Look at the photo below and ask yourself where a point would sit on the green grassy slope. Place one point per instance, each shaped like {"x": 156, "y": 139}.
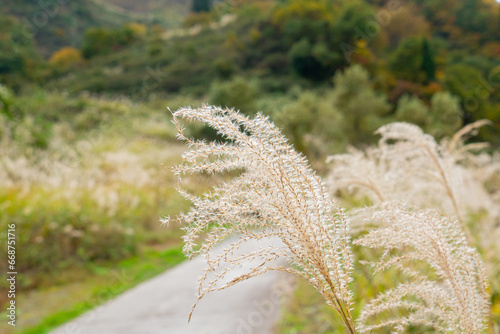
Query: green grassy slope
{"x": 55, "y": 24}
{"x": 168, "y": 13}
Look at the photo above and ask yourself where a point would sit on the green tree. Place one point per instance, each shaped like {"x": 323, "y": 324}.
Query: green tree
{"x": 199, "y": 6}
{"x": 98, "y": 41}
{"x": 406, "y": 61}
{"x": 471, "y": 16}
{"x": 297, "y": 119}
{"x": 238, "y": 93}
{"x": 412, "y": 110}
{"x": 355, "y": 23}
{"x": 406, "y": 21}
{"x": 464, "y": 81}
{"x": 428, "y": 64}
{"x": 443, "y": 119}
{"x": 95, "y": 41}
{"x": 18, "y": 54}
{"x": 361, "y": 106}
{"x": 307, "y": 121}
{"x": 311, "y": 61}
{"x": 447, "y": 115}
{"x": 6, "y": 99}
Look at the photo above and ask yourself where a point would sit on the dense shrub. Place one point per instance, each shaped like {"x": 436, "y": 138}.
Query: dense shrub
{"x": 65, "y": 57}
{"x": 238, "y": 93}
{"x": 101, "y": 41}
{"x": 362, "y": 108}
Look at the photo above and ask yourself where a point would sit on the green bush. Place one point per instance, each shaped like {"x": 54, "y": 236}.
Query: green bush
{"x": 463, "y": 80}
{"x": 201, "y": 6}
{"x": 412, "y": 110}
{"x": 406, "y": 61}
{"x": 101, "y": 41}
{"x": 6, "y": 99}
{"x": 305, "y": 63}
{"x": 307, "y": 122}
{"x": 447, "y": 115}
{"x": 239, "y": 93}
{"x": 442, "y": 118}
{"x": 362, "y": 108}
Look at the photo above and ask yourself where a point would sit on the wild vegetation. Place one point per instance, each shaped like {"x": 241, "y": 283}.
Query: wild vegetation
{"x": 82, "y": 183}
{"x": 404, "y": 62}
{"x": 84, "y": 89}
{"x": 443, "y": 285}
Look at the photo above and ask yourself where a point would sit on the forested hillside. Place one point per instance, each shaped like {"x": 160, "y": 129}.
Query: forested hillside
{"x": 55, "y": 24}
{"x": 411, "y": 56}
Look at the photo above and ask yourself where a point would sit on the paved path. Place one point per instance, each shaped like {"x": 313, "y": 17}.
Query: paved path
{"x": 162, "y": 305}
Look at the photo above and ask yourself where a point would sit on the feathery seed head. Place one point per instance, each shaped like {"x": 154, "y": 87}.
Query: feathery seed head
{"x": 277, "y": 195}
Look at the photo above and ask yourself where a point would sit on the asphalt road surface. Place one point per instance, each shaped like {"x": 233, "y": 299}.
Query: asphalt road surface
{"x": 162, "y": 304}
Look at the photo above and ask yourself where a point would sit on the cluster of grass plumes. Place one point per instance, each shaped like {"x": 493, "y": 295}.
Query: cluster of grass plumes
{"x": 69, "y": 212}
{"x": 455, "y": 301}
{"x": 410, "y": 165}
{"x": 276, "y": 194}
{"x": 92, "y": 194}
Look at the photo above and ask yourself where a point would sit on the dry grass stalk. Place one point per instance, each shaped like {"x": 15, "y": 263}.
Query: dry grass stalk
{"x": 410, "y": 165}
{"x": 276, "y": 195}
{"x": 455, "y": 302}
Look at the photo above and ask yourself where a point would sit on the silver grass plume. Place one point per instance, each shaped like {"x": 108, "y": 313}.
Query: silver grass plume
{"x": 276, "y": 195}
{"x": 423, "y": 160}
{"x": 453, "y": 300}
{"x": 410, "y": 165}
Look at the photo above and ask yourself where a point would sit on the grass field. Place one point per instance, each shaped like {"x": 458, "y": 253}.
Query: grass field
{"x": 86, "y": 189}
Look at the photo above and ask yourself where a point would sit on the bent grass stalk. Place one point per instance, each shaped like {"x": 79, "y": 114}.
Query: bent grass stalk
{"x": 276, "y": 194}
